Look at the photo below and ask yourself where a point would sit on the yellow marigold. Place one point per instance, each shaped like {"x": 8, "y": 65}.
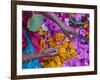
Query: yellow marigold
{"x": 51, "y": 41}
{"x": 68, "y": 57}
{"x": 42, "y": 41}
{"x": 74, "y": 55}
{"x": 71, "y": 46}
{"x": 57, "y": 46}
{"x": 59, "y": 36}
{"x": 72, "y": 51}
{"x": 52, "y": 44}
{"x": 62, "y": 50}
{"x": 65, "y": 43}
{"x": 63, "y": 55}
{"x": 43, "y": 46}
{"x": 52, "y": 64}
{"x": 41, "y": 31}
{"x": 50, "y": 38}
{"x": 57, "y": 60}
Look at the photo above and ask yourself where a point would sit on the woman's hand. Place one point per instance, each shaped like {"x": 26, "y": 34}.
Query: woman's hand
{"x": 29, "y": 57}
{"x": 50, "y": 52}
{"x": 69, "y": 31}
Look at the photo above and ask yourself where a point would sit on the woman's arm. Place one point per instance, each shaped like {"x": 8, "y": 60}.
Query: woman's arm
{"x": 29, "y": 57}
{"x": 61, "y": 24}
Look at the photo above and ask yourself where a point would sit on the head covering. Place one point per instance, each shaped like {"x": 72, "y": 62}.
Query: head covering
{"x": 35, "y": 22}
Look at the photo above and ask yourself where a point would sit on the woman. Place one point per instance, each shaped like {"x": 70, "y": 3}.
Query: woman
{"x": 29, "y": 58}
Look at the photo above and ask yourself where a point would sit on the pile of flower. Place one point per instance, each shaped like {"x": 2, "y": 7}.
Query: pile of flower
{"x": 62, "y": 43}
{"x": 80, "y": 45}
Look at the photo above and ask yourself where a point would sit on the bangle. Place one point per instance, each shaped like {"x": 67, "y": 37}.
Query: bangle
{"x": 25, "y": 58}
{"x": 30, "y": 57}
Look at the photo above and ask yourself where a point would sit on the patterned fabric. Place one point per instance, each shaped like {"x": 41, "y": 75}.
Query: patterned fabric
{"x": 30, "y": 50}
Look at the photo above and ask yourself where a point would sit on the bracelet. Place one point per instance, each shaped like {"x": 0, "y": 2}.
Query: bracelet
{"x": 25, "y": 58}
{"x": 29, "y": 57}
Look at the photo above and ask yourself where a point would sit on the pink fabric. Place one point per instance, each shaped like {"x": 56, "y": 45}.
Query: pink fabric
{"x": 35, "y": 41}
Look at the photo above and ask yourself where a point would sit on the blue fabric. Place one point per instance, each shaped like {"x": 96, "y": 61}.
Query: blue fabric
{"x": 30, "y": 50}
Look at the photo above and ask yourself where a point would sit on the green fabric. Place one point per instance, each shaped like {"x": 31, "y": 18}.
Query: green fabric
{"x": 36, "y": 22}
